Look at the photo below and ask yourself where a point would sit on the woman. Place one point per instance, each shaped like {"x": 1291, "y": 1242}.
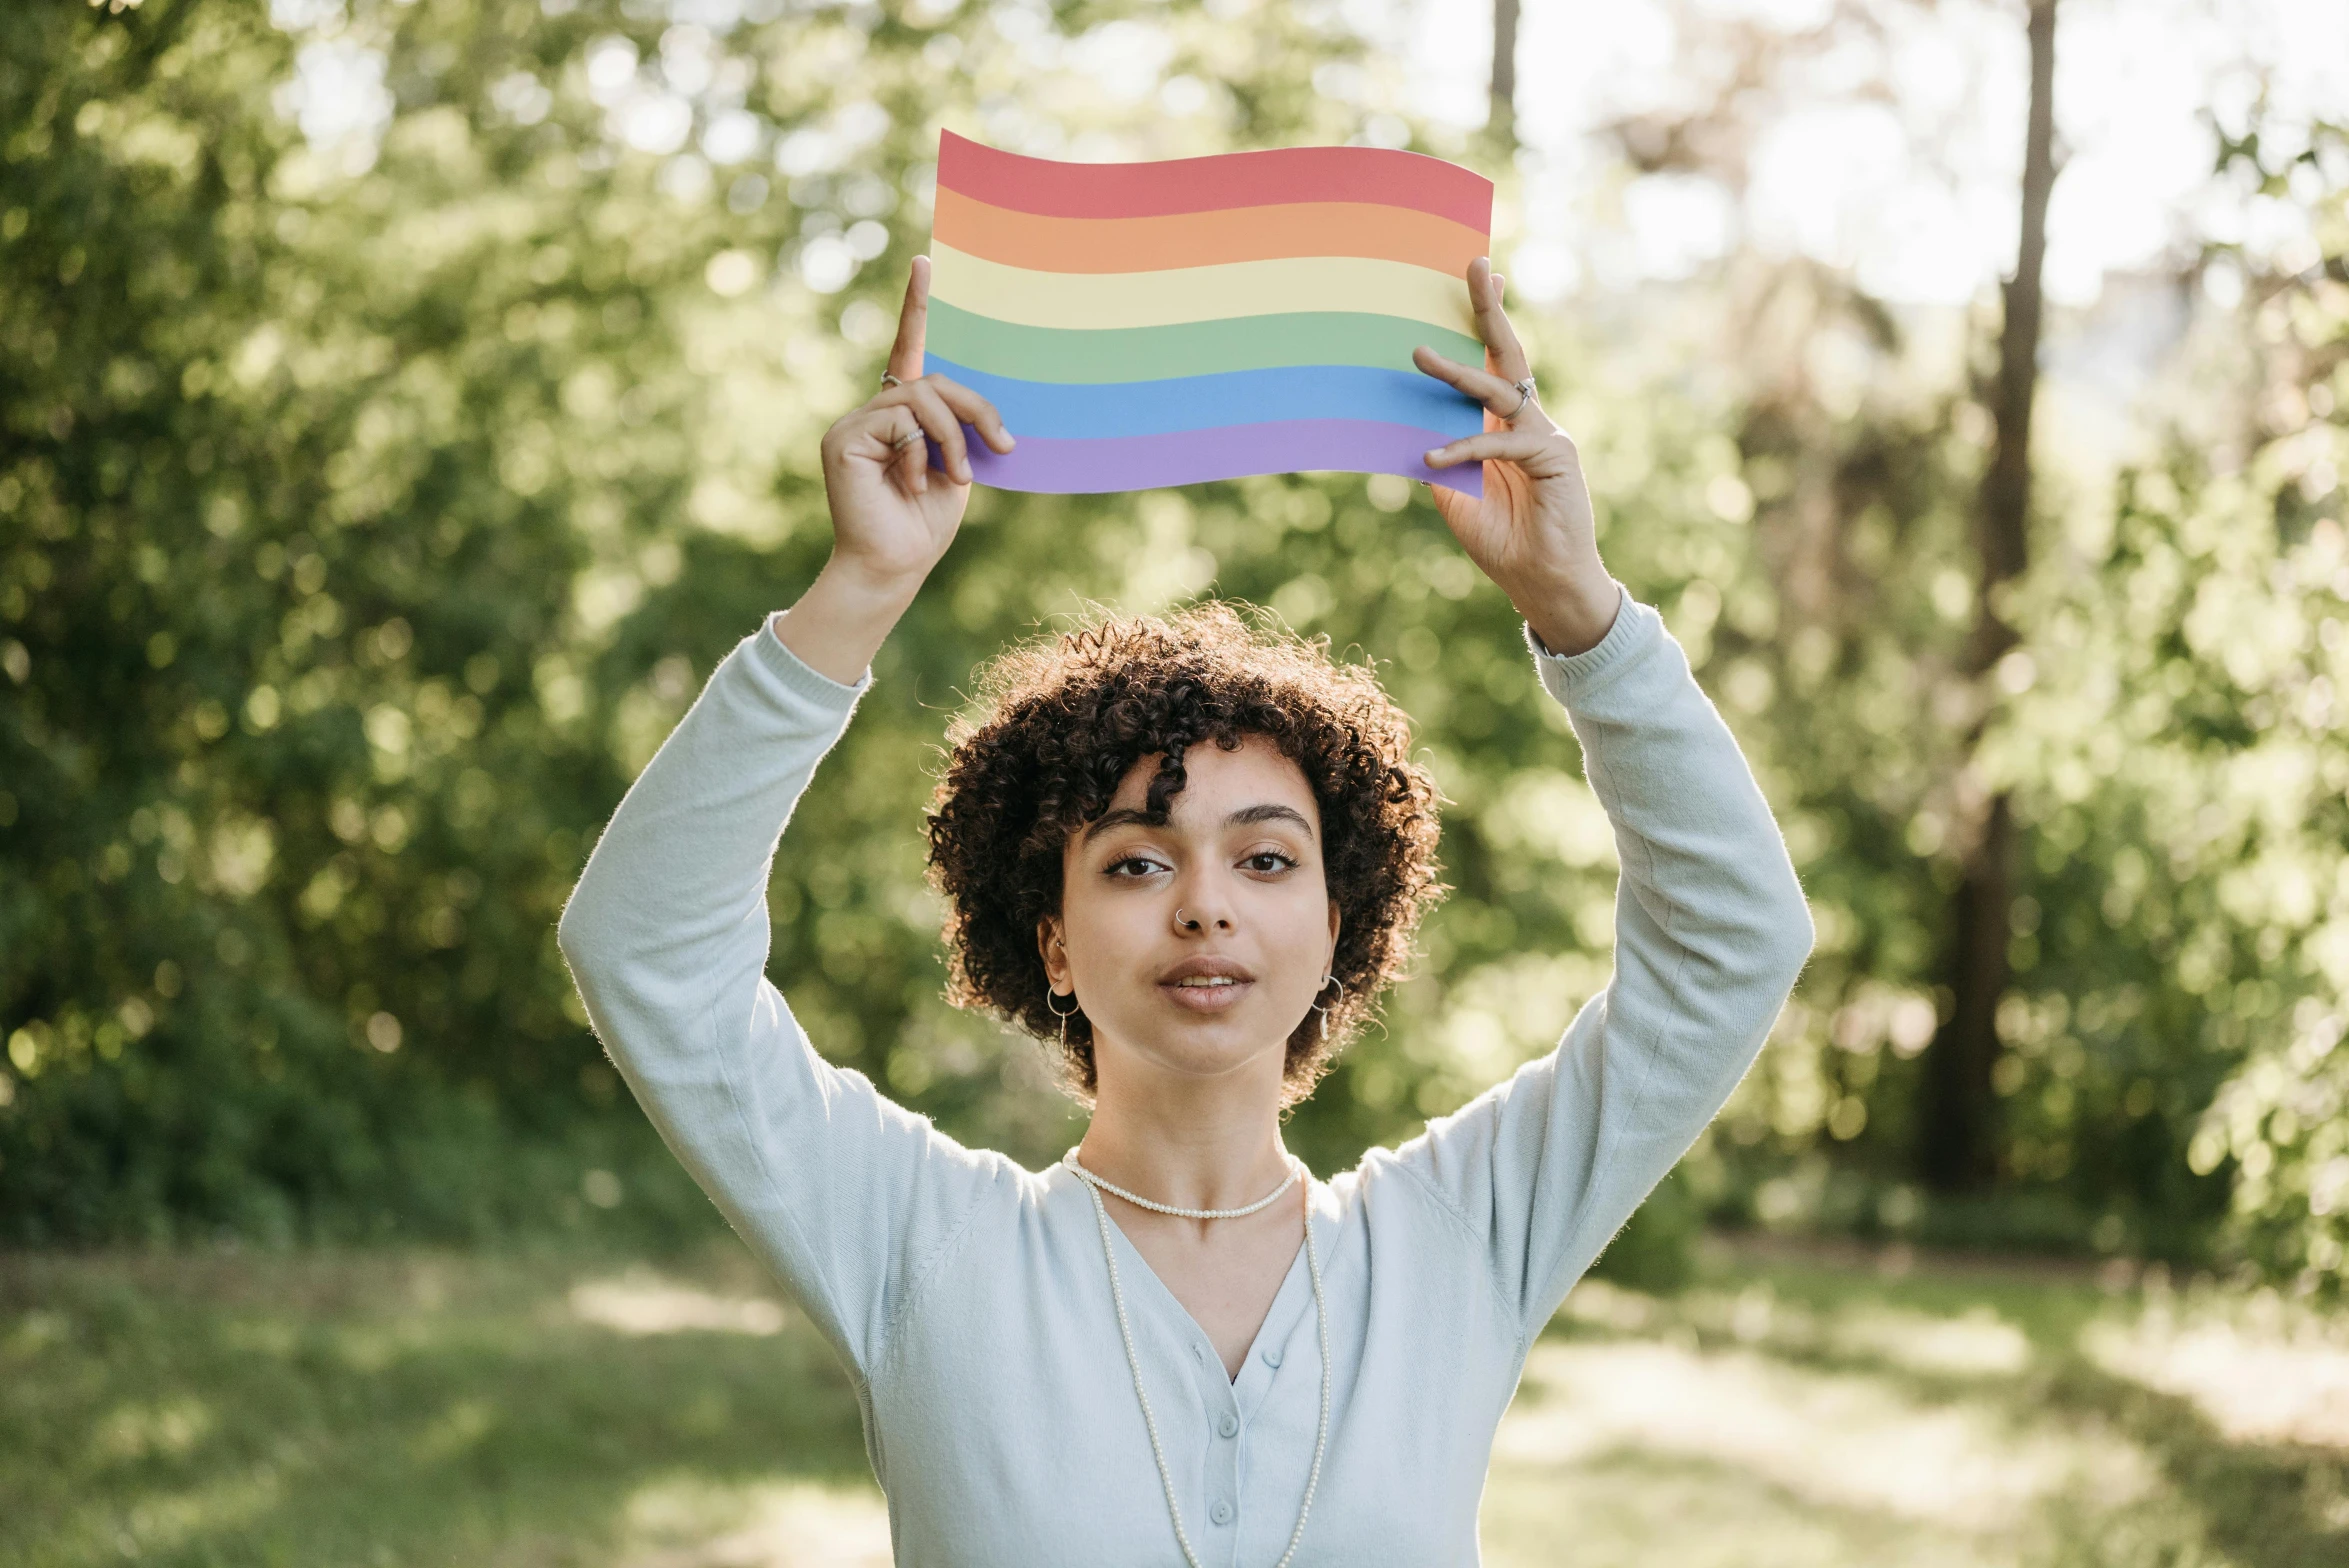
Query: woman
{"x": 1175, "y": 1346}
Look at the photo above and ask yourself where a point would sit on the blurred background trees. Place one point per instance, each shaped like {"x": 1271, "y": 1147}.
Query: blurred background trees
{"x": 403, "y": 406}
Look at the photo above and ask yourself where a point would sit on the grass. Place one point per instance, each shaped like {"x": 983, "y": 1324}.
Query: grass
{"x": 1823, "y": 1407}
{"x": 400, "y": 1409}
{"x": 1815, "y": 1408}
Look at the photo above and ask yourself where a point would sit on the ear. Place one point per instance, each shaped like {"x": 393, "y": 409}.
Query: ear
{"x": 1055, "y": 956}
{"x": 1336, "y": 919}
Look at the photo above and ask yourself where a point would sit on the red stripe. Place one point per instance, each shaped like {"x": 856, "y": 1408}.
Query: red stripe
{"x": 1233, "y": 179}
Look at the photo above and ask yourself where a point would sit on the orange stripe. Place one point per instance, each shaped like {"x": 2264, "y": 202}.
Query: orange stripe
{"x": 1204, "y": 239}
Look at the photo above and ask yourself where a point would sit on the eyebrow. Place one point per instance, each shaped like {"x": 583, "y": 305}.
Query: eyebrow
{"x": 1267, "y": 812}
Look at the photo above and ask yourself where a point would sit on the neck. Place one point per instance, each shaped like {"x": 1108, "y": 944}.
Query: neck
{"x": 1187, "y": 1143}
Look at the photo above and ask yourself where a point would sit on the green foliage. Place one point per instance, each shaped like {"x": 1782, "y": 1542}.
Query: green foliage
{"x": 1656, "y": 1251}
{"x": 2189, "y": 779}
{"x": 2183, "y": 739}
{"x": 294, "y": 807}
{"x": 373, "y": 499}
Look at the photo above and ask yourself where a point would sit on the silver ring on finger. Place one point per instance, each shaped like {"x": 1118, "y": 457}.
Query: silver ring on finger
{"x": 1524, "y": 397}
{"x": 888, "y": 381}
{"x": 906, "y": 440}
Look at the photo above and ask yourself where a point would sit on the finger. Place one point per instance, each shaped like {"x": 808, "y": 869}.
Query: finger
{"x": 905, "y": 461}
{"x": 880, "y": 435}
{"x": 914, "y": 458}
{"x": 1492, "y": 446}
{"x": 913, "y": 323}
{"x": 972, "y": 409}
{"x": 939, "y": 423}
{"x": 1482, "y": 385}
{"x": 1491, "y": 360}
{"x": 1496, "y": 393}
{"x": 1492, "y": 355}
{"x": 1492, "y": 323}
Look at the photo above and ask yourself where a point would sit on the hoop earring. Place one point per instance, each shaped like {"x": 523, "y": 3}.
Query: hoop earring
{"x": 1049, "y": 994}
{"x": 1327, "y": 981}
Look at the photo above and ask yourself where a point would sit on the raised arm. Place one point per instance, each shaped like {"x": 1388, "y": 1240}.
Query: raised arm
{"x": 1711, "y": 930}
{"x": 844, "y": 1194}
{"x": 1711, "y": 927}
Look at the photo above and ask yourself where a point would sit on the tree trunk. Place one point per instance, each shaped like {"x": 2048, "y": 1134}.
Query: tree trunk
{"x": 1502, "y": 126}
{"x": 1958, "y": 1147}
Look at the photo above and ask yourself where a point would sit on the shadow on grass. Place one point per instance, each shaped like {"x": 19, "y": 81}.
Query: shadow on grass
{"x": 2225, "y": 1499}
{"x": 2263, "y": 1505}
{"x": 1628, "y": 1507}
{"x": 383, "y": 1408}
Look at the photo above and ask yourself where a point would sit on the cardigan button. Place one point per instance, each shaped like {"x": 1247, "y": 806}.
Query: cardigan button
{"x": 1272, "y": 1355}
{"x": 1229, "y": 1426}
{"x": 1221, "y": 1513}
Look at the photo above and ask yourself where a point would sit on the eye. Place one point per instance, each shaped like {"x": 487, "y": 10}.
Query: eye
{"x": 1115, "y": 868}
{"x": 1285, "y": 862}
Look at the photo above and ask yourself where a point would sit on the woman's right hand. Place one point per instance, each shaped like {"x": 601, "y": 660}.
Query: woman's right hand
{"x": 892, "y": 516}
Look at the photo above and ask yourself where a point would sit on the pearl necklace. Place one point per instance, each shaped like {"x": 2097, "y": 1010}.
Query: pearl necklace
{"x": 1070, "y": 1160}
{"x": 1095, "y": 1186}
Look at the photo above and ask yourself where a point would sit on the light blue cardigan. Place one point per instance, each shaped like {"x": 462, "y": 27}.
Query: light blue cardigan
{"x": 969, "y": 1297}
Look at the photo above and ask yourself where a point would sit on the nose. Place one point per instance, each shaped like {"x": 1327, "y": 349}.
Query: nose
{"x": 1200, "y": 899}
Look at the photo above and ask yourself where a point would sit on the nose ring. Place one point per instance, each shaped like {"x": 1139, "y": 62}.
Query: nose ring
{"x": 1184, "y": 920}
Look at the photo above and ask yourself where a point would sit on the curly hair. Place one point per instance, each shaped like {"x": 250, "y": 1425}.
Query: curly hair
{"x": 1056, "y": 724}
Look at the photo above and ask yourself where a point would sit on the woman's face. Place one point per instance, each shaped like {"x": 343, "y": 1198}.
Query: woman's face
{"x": 1240, "y": 856}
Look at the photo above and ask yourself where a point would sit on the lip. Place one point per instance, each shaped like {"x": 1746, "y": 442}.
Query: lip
{"x": 1206, "y": 965}
{"x": 1207, "y": 998}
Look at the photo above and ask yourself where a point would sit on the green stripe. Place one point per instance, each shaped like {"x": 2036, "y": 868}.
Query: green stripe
{"x": 1194, "y": 348}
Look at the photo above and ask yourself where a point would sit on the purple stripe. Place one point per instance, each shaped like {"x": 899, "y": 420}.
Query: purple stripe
{"x": 1049, "y": 465}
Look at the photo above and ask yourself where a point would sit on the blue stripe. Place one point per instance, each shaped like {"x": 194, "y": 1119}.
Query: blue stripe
{"x": 1239, "y": 397}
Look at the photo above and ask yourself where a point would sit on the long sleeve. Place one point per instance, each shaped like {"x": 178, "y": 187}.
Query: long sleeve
{"x": 1711, "y": 931}
{"x": 844, "y": 1194}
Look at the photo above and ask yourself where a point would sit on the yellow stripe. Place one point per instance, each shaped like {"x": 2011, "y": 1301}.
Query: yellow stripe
{"x": 1091, "y": 300}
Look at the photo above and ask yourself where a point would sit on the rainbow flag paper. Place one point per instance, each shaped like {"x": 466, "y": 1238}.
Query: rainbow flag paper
{"x": 1147, "y": 324}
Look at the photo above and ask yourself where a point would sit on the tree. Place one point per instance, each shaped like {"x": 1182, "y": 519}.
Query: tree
{"x": 1957, "y": 1138}
{"x": 1501, "y": 129}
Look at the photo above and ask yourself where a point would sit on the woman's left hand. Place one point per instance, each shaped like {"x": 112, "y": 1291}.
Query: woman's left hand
{"x": 1531, "y": 532}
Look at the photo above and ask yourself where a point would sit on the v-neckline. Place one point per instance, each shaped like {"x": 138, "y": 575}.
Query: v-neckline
{"x": 1168, "y": 1300}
